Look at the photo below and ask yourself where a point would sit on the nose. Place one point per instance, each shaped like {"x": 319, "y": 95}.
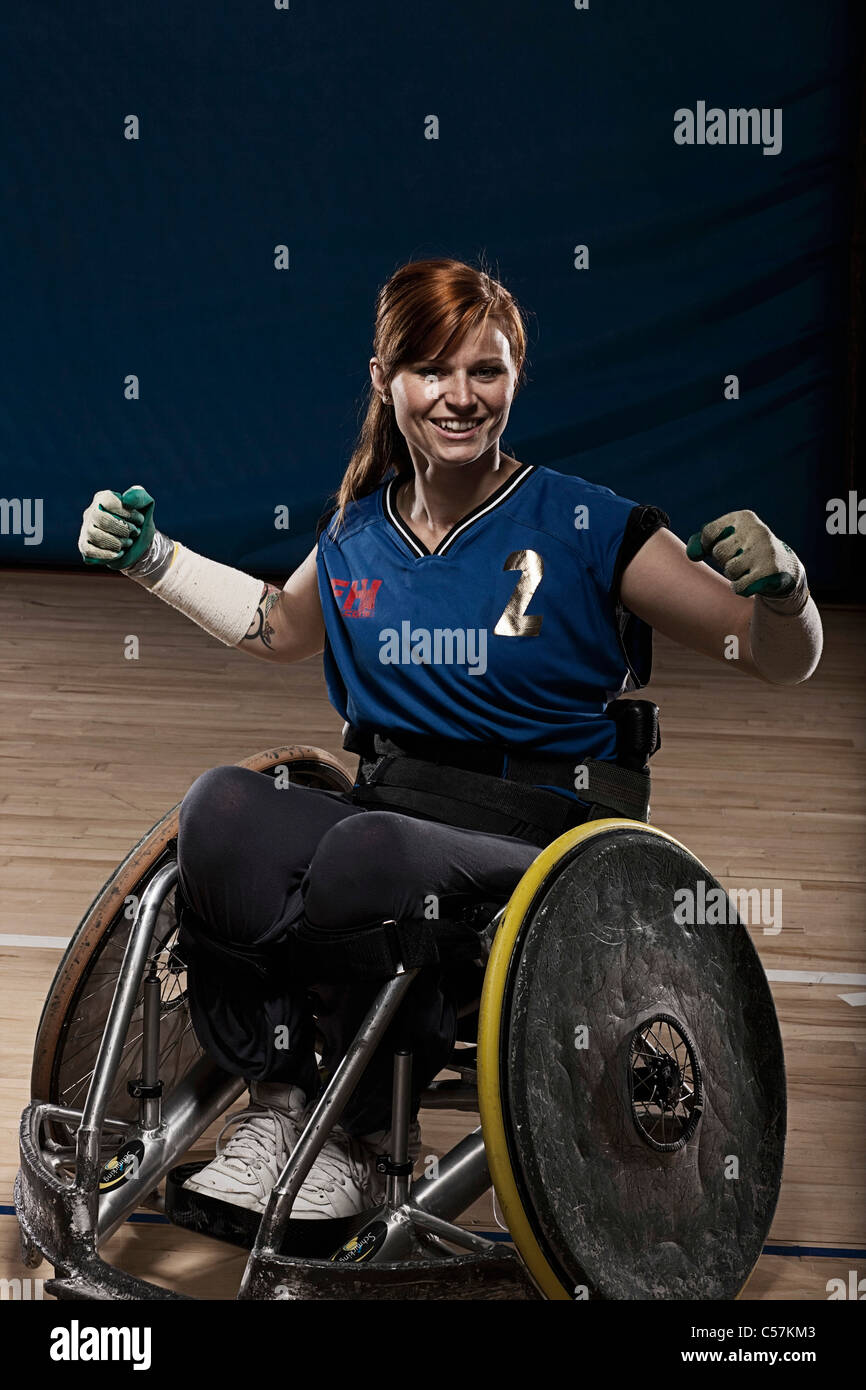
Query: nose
{"x": 458, "y": 391}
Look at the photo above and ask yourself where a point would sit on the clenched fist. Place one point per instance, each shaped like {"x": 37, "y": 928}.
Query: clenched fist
{"x": 749, "y": 555}
{"x": 117, "y": 528}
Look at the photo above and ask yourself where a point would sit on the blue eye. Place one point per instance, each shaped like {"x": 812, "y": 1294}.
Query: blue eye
{"x": 437, "y": 371}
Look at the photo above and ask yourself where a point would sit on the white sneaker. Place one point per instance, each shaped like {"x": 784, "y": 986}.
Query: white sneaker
{"x": 381, "y": 1141}
{"x": 246, "y": 1169}
{"x": 344, "y": 1180}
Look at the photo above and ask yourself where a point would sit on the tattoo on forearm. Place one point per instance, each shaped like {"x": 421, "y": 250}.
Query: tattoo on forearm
{"x": 260, "y": 629}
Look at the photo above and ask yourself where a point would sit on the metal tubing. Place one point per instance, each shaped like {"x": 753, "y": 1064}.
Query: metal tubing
{"x": 111, "y": 1046}
{"x": 200, "y": 1098}
{"x": 423, "y": 1221}
{"x": 47, "y": 1110}
{"x": 326, "y": 1114}
{"x": 397, "y": 1187}
{"x": 150, "y": 1107}
{"x": 463, "y": 1177}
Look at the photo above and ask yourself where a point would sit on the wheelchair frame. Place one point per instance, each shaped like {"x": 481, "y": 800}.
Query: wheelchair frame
{"x": 410, "y": 1246}
{"x": 67, "y": 1222}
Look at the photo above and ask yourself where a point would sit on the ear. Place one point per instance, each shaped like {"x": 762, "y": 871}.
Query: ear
{"x": 377, "y": 375}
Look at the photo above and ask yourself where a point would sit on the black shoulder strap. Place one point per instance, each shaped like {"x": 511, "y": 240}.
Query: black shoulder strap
{"x": 643, "y": 521}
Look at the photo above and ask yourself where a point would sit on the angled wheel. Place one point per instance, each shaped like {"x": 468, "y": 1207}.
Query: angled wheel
{"x": 75, "y": 1011}
{"x": 631, "y": 1074}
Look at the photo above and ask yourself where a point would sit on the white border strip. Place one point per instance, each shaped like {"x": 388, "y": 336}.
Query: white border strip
{"x": 54, "y": 943}
{"x": 813, "y": 977}
{"x": 791, "y": 977}
{"x": 494, "y": 502}
{"x": 396, "y": 518}
{"x": 785, "y": 977}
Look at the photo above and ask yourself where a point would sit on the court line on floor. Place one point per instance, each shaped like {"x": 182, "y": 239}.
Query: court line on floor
{"x": 821, "y": 977}
{"x": 797, "y": 977}
{"x": 57, "y": 943}
{"x": 782, "y": 977}
{"x": 146, "y": 1218}
{"x": 810, "y": 977}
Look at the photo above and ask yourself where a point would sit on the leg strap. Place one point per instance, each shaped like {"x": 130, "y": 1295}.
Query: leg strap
{"x": 619, "y": 790}
{"x": 379, "y": 951}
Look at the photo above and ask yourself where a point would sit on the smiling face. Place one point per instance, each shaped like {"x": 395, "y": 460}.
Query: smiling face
{"x": 453, "y": 410}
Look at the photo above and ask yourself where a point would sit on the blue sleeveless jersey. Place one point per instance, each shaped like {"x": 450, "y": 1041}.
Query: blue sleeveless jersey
{"x": 508, "y": 633}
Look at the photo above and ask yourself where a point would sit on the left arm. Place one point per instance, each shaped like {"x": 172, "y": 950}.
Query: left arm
{"x": 779, "y": 637}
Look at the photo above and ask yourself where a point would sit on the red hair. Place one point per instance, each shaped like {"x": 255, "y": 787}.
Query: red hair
{"x": 423, "y": 303}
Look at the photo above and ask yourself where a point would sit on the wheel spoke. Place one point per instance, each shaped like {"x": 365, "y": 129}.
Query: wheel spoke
{"x": 665, "y": 1082}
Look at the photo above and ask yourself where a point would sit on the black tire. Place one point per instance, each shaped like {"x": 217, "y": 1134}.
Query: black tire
{"x": 641, "y": 1157}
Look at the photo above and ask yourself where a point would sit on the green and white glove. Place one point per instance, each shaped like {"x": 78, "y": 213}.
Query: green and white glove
{"x": 117, "y": 528}
{"x": 749, "y": 555}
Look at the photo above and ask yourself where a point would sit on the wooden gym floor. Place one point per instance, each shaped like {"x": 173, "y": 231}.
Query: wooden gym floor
{"x": 766, "y": 785}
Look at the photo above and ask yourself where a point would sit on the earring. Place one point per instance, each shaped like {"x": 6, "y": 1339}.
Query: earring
{"x": 386, "y": 400}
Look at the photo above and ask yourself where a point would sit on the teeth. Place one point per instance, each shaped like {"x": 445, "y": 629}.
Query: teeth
{"x": 455, "y": 428}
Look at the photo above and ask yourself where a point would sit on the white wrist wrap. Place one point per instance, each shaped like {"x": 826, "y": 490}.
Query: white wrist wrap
{"x": 220, "y": 599}
{"x": 786, "y": 643}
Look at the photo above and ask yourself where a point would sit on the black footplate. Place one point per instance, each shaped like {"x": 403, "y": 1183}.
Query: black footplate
{"x": 208, "y": 1216}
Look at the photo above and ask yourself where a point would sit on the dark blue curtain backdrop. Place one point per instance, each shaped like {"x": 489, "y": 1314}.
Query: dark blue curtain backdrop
{"x": 306, "y": 127}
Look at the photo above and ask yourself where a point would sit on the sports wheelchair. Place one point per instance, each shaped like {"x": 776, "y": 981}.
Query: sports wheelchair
{"x": 627, "y": 1070}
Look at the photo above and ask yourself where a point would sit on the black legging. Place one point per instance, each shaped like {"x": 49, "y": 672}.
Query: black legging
{"x": 255, "y": 859}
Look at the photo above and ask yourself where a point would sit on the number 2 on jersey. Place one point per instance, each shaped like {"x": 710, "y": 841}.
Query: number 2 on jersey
{"x": 514, "y": 621}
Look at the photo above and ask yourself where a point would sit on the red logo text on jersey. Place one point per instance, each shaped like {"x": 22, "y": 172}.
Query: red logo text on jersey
{"x": 356, "y": 598}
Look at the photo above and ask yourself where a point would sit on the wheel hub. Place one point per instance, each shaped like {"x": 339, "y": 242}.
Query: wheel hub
{"x": 665, "y": 1083}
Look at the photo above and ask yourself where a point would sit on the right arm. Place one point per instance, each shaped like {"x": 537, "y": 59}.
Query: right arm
{"x": 288, "y": 623}
{"x": 265, "y": 621}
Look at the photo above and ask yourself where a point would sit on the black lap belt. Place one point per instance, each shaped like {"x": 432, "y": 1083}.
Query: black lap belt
{"x": 381, "y": 949}
{"x": 469, "y": 799}
{"x": 507, "y": 804}
{"x": 373, "y": 951}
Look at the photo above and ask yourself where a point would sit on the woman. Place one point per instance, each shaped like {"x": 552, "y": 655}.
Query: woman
{"x": 477, "y": 615}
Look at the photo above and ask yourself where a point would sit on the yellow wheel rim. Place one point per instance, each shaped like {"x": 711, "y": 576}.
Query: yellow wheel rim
{"x": 489, "y": 1040}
